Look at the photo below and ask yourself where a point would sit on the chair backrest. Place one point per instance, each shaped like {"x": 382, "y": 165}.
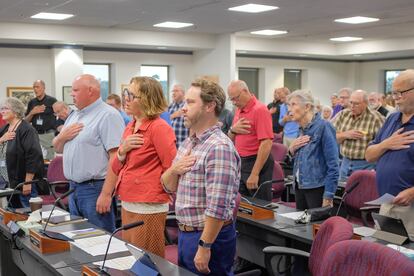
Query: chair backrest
{"x": 356, "y": 257}
{"x": 333, "y": 230}
{"x": 55, "y": 170}
{"x": 366, "y": 190}
{"x": 278, "y": 138}
{"x": 279, "y": 152}
{"x": 278, "y": 188}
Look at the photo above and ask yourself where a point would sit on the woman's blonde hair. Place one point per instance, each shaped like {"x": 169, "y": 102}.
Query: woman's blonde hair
{"x": 152, "y": 100}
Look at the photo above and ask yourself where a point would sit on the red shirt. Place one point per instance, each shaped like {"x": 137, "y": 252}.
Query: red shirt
{"x": 139, "y": 175}
{"x": 260, "y": 127}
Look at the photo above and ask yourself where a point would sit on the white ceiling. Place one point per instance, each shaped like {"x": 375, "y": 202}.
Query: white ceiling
{"x": 306, "y": 20}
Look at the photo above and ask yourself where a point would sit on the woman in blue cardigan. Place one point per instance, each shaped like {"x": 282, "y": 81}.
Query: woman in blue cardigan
{"x": 315, "y": 153}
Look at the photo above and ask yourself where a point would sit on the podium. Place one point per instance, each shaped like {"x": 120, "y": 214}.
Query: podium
{"x": 47, "y": 245}
{"x": 10, "y": 216}
{"x": 251, "y": 211}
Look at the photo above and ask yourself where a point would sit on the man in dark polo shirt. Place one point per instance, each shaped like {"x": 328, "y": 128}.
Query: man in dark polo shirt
{"x": 393, "y": 147}
{"x": 40, "y": 114}
{"x": 252, "y": 134}
{"x": 274, "y": 108}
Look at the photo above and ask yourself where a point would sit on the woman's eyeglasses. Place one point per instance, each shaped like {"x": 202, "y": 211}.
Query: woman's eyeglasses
{"x": 130, "y": 96}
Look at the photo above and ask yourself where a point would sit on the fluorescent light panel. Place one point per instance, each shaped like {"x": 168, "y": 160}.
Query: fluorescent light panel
{"x": 356, "y": 20}
{"x": 52, "y": 16}
{"x": 253, "y": 8}
{"x": 174, "y": 25}
{"x": 269, "y": 32}
{"x": 345, "y": 38}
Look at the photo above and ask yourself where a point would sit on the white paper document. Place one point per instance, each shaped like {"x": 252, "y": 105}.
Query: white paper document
{"x": 97, "y": 245}
{"x": 386, "y": 198}
{"x": 56, "y": 213}
{"x": 364, "y": 231}
{"x": 122, "y": 263}
{"x": 292, "y": 215}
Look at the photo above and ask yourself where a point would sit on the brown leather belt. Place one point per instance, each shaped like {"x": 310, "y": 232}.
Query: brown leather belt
{"x": 187, "y": 228}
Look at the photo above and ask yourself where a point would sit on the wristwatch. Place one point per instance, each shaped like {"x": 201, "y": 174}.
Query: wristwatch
{"x": 232, "y": 132}
{"x": 204, "y": 244}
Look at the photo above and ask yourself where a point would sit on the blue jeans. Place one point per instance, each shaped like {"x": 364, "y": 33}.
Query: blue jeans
{"x": 24, "y": 200}
{"x": 222, "y": 251}
{"x": 348, "y": 166}
{"x": 82, "y": 202}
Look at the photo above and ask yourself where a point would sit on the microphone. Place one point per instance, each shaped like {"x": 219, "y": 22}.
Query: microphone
{"x": 18, "y": 187}
{"x": 347, "y": 191}
{"x": 125, "y": 227}
{"x": 54, "y": 235}
{"x": 267, "y": 183}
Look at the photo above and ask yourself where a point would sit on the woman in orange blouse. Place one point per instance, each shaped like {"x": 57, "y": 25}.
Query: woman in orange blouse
{"x": 147, "y": 150}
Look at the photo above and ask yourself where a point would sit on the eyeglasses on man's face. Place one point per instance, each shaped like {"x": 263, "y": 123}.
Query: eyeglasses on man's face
{"x": 398, "y": 94}
{"x": 130, "y": 96}
{"x": 235, "y": 98}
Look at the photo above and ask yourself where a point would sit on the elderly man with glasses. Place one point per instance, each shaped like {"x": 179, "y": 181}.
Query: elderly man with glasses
{"x": 393, "y": 147}
{"x": 355, "y": 127}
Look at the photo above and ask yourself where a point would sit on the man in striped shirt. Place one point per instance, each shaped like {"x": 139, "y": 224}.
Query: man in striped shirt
{"x": 206, "y": 175}
{"x": 355, "y": 128}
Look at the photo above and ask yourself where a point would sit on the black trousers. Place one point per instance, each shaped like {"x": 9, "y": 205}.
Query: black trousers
{"x": 308, "y": 198}
{"x": 266, "y": 174}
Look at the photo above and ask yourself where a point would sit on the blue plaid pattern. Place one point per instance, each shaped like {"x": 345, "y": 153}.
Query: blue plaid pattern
{"x": 181, "y": 132}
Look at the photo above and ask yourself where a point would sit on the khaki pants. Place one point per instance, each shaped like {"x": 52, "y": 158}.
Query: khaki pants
{"x": 46, "y": 143}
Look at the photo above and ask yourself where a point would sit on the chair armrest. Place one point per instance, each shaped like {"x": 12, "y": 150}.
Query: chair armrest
{"x": 367, "y": 210}
{"x": 272, "y": 251}
{"x": 54, "y": 183}
{"x": 280, "y": 250}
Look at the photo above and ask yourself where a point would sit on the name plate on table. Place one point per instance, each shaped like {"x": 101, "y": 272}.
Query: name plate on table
{"x": 251, "y": 211}
{"x": 10, "y": 216}
{"x": 47, "y": 245}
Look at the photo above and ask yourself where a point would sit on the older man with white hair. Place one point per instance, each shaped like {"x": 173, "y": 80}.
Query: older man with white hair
{"x": 355, "y": 128}
{"x": 375, "y": 103}
{"x": 176, "y": 113}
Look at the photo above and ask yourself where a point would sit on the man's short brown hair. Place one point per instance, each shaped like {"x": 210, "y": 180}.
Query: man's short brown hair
{"x": 211, "y": 92}
{"x": 116, "y": 98}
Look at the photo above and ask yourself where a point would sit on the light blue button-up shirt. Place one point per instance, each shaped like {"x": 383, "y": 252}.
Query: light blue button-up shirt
{"x": 86, "y": 156}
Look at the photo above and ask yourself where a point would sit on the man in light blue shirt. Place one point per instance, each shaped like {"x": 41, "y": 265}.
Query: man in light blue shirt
{"x": 290, "y": 128}
{"x": 89, "y": 141}
{"x": 115, "y": 101}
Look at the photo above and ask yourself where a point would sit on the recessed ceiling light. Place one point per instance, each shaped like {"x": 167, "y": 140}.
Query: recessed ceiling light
{"x": 356, "y": 20}
{"x": 357, "y": 55}
{"x": 242, "y": 52}
{"x": 161, "y": 47}
{"x": 303, "y": 55}
{"x": 174, "y": 25}
{"x": 52, "y": 16}
{"x": 269, "y": 32}
{"x": 253, "y": 8}
{"x": 345, "y": 38}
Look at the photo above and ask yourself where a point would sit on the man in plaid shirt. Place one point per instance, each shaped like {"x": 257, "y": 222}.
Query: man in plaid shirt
{"x": 356, "y": 126}
{"x": 206, "y": 175}
{"x": 176, "y": 114}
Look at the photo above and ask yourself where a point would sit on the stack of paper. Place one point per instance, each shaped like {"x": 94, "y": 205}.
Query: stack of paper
{"x": 97, "y": 245}
{"x": 292, "y": 215}
{"x": 122, "y": 263}
{"x": 55, "y": 213}
{"x": 364, "y": 231}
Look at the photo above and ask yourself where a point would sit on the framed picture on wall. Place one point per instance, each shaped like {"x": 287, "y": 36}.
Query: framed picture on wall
{"x": 124, "y": 87}
{"x": 67, "y": 98}
{"x": 23, "y": 93}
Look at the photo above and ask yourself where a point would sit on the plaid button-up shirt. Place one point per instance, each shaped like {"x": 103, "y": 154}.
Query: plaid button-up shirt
{"x": 210, "y": 187}
{"x": 369, "y": 122}
{"x": 181, "y": 132}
